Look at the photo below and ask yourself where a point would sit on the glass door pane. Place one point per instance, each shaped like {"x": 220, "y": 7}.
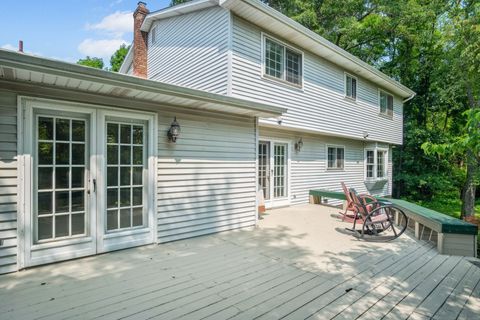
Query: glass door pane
{"x": 61, "y": 164}
{"x": 279, "y": 170}
{"x": 125, "y": 166}
{"x": 264, "y": 168}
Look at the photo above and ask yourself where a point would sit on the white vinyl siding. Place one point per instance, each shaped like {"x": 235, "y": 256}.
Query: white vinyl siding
{"x": 191, "y": 50}
{"x": 8, "y": 181}
{"x": 207, "y": 180}
{"x": 321, "y": 105}
{"x": 309, "y": 166}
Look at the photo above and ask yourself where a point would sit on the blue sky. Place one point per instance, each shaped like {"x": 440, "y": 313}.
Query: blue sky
{"x": 69, "y": 29}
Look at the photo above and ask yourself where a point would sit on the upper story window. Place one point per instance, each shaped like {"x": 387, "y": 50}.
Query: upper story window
{"x": 376, "y": 164}
{"x": 336, "y": 157}
{"x": 153, "y": 35}
{"x": 386, "y": 103}
{"x": 282, "y": 62}
{"x": 350, "y": 86}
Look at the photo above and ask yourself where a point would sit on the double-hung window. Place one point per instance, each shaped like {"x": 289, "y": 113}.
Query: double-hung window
{"x": 282, "y": 62}
{"x": 376, "y": 164}
{"x": 336, "y": 157}
{"x": 350, "y": 87}
{"x": 386, "y": 103}
{"x": 153, "y": 35}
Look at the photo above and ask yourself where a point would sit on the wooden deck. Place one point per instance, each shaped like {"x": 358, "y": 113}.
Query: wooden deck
{"x": 298, "y": 264}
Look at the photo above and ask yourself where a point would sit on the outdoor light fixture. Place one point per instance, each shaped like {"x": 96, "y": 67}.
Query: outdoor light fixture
{"x": 365, "y": 134}
{"x": 174, "y": 131}
{"x": 298, "y": 145}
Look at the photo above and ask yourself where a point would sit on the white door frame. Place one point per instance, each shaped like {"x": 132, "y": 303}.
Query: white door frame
{"x": 284, "y": 201}
{"x": 25, "y": 107}
{"x": 139, "y": 236}
{"x": 31, "y": 253}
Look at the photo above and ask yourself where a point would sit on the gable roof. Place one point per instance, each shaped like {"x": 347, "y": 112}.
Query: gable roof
{"x": 27, "y": 70}
{"x": 273, "y": 21}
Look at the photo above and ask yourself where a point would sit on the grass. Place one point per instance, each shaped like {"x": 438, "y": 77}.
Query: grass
{"x": 451, "y": 207}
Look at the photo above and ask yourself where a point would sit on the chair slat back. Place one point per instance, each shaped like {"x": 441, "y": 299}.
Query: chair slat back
{"x": 347, "y": 193}
{"x": 359, "y": 204}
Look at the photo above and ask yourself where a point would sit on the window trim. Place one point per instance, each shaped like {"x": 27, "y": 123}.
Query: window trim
{"x": 345, "y": 75}
{"x": 336, "y": 146}
{"x": 385, "y": 114}
{"x": 286, "y": 46}
{"x": 153, "y": 37}
{"x": 375, "y": 177}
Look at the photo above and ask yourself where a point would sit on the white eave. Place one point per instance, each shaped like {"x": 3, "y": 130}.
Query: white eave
{"x": 275, "y": 22}
{"x": 23, "y": 69}
{"x": 271, "y": 20}
{"x": 127, "y": 62}
{"x": 177, "y": 10}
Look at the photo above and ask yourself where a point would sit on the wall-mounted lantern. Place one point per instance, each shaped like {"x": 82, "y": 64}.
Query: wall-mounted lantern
{"x": 298, "y": 145}
{"x": 365, "y": 134}
{"x": 174, "y": 131}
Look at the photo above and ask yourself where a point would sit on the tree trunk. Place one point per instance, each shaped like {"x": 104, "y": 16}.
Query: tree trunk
{"x": 469, "y": 188}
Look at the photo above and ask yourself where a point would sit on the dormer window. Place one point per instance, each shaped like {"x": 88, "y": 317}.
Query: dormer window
{"x": 350, "y": 86}
{"x": 282, "y": 62}
{"x": 386, "y": 103}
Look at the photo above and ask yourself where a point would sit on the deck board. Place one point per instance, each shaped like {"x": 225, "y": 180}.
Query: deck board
{"x": 298, "y": 264}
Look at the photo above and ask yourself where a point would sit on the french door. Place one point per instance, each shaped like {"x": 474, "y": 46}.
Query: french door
{"x": 273, "y": 172}
{"x": 87, "y": 186}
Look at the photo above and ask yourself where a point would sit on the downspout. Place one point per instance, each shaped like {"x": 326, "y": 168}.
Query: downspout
{"x": 409, "y": 98}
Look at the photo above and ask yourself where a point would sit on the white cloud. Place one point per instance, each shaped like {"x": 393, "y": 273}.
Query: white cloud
{"x": 8, "y": 46}
{"x": 103, "y": 48}
{"x": 117, "y": 24}
{"x": 114, "y": 3}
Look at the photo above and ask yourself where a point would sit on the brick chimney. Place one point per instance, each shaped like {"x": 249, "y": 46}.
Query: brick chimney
{"x": 139, "y": 41}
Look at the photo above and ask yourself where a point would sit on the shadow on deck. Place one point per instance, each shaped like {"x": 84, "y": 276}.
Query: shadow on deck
{"x": 294, "y": 265}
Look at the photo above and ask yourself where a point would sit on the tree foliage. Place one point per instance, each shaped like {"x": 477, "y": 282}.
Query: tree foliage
{"x": 91, "y": 62}
{"x": 117, "y": 58}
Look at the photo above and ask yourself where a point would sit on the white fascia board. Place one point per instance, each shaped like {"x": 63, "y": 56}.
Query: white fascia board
{"x": 177, "y": 10}
{"x": 127, "y": 61}
{"x": 308, "y": 39}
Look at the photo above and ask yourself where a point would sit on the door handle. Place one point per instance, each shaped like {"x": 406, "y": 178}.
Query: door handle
{"x": 95, "y": 185}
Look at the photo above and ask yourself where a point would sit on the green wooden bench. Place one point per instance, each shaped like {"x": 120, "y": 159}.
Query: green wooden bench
{"x": 453, "y": 236}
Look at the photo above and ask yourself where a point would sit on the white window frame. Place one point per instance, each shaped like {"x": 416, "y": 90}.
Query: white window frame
{"x": 286, "y": 46}
{"x": 25, "y": 106}
{"x": 284, "y": 201}
{"x": 375, "y": 177}
{"x": 336, "y": 146}
{"x": 153, "y": 35}
{"x": 346, "y": 74}
{"x": 385, "y": 114}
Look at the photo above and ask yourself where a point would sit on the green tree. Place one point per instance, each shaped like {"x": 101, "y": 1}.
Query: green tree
{"x": 175, "y": 2}
{"x": 117, "y": 58}
{"x": 461, "y": 46}
{"x": 91, "y": 62}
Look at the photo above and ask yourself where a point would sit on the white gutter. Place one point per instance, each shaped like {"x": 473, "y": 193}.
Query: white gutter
{"x": 127, "y": 61}
{"x": 177, "y": 10}
{"x": 14, "y": 59}
{"x": 324, "y": 43}
{"x": 409, "y": 98}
